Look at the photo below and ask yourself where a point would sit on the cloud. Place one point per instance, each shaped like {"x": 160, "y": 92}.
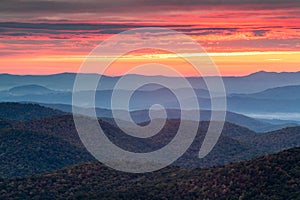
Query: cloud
{"x": 80, "y": 30}
{"x": 19, "y": 28}
{"x": 116, "y": 6}
{"x": 34, "y": 29}
{"x": 63, "y": 26}
{"x": 259, "y": 32}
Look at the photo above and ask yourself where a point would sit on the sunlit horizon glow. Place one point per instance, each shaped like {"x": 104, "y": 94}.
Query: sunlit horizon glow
{"x": 240, "y": 37}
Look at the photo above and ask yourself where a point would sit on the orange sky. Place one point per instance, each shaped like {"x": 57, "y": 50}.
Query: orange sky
{"x": 241, "y": 38}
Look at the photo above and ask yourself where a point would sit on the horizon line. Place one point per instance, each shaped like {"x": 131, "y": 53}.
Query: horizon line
{"x": 116, "y": 76}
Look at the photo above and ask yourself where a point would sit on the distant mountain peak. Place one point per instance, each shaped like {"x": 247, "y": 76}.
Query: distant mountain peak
{"x": 263, "y": 72}
{"x": 29, "y": 89}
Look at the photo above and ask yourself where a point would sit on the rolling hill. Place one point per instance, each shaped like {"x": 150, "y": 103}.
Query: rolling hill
{"x": 25, "y": 153}
{"x": 55, "y": 138}
{"x": 269, "y": 177}
{"x": 27, "y": 111}
{"x": 274, "y": 141}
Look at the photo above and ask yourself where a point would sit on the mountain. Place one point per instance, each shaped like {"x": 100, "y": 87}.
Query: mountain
{"x": 25, "y": 153}
{"x": 255, "y": 82}
{"x": 274, "y": 141}
{"x": 63, "y": 127}
{"x": 279, "y": 121}
{"x": 259, "y": 106}
{"x": 274, "y": 100}
{"x": 269, "y": 177}
{"x": 4, "y": 124}
{"x": 264, "y": 80}
{"x": 29, "y": 90}
{"x": 235, "y": 144}
{"x": 17, "y": 111}
{"x": 205, "y": 115}
{"x": 277, "y": 100}
{"x": 140, "y": 116}
{"x": 57, "y": 82}
{"x": 258, "y": 93}
{"x": 53, "y": 142}
{"x": 287, "y": 92}
{"x": 142, "y": 100}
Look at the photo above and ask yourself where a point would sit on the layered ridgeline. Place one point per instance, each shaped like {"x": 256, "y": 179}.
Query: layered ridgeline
{"x": 252, "y": 83}
{"x": 269, "y": 177}
{"x": 141, "y": 116}
{"x": 261, "y": 95}
{"x": 40, "y": 145}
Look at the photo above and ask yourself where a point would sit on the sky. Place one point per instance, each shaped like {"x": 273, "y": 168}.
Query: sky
{"x": 241, "y": 37}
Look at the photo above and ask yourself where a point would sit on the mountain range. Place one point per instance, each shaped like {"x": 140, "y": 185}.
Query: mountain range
{"x": 40, "y": 145}
{"x": 269, "y": 177}
{"x": 263, "y": 102}
{"x": 140, "y": 116}
{"x": 271, "y": 94}
{"x": 252, "y": 83}
{"x": 42, "y": 156}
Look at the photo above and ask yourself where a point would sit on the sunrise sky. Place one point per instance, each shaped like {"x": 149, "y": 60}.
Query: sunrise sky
{"x": 241, "y": 37}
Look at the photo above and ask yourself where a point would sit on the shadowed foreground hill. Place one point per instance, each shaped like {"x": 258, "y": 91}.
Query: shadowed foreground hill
{"x": 24, "y": 153}
{"x": 28, "y": 111}
{"x": 56, "y": 139}
{"x": 270, "y": 177}
{"x": 236, "y": 143}
{"x": 50, "y": 143}
{"x": 62, "y": 128}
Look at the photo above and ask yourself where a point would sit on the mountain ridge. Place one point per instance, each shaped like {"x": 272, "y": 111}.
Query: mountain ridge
{"x": 283, "y": 92}
{"x": 235, "y": 144}
{"x": 117, "y": 76}
{"x": 269, "y": 177}
{"x": 233, "y": 84}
